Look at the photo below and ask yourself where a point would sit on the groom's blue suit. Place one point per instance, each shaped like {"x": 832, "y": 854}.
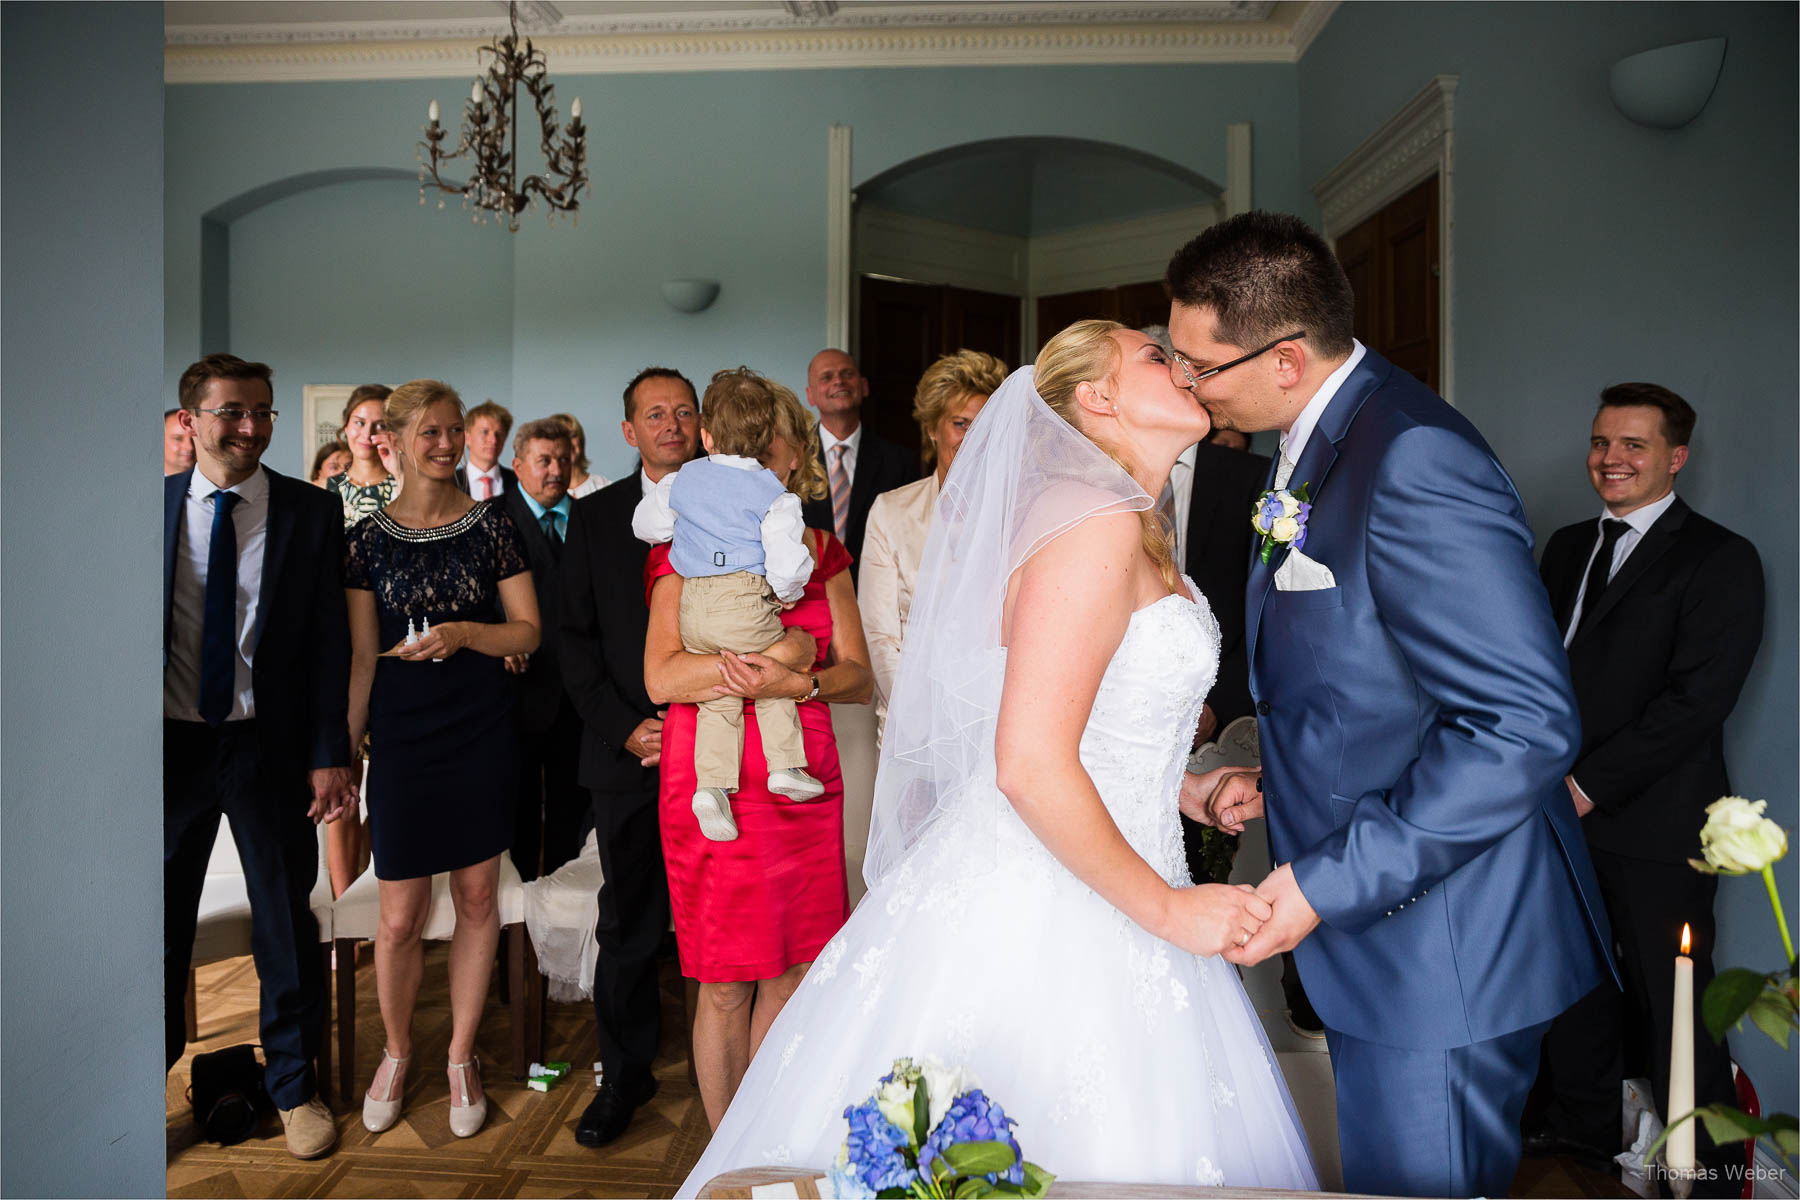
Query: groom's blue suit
{"x": 1417, "y": 720}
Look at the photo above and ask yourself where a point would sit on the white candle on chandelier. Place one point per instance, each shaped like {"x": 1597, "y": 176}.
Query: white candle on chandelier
{"x": 575, "y": 109}
{"x": 475, "y": 94}
{"x": 432, "y": 112}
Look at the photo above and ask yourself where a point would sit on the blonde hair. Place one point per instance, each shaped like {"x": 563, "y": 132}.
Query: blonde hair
{"x": 1086, "y": 352}
{"x": 406, "y": 402}
{"x": 577, "y": 438}
{"x": 947, "y": 384}
{"x": 738, "y": 410}
{"x": 796, "y": 426}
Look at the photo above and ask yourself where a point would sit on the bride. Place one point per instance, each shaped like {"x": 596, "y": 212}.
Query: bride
{"x": 1030, "y": 915}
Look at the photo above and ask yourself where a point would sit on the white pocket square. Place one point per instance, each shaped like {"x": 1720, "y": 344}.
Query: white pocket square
{"x": 1299, "y": 573}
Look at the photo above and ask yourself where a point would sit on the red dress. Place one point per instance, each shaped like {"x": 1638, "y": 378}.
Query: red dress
{"x": 751, "y": 908}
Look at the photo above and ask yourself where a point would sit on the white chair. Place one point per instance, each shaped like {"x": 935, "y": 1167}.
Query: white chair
{"x": 223, "y": 929}
{"x": 357, "y": 916}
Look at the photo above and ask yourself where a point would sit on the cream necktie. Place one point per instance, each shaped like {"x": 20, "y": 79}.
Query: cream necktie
{"x": 1284, "y": 470}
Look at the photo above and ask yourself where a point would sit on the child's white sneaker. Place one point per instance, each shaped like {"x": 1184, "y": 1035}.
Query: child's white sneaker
{"x": 713, "y": 808}
{"x": 795, "y": 784}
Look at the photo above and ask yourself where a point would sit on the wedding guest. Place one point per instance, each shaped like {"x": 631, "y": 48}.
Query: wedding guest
{"x": 256, "y": 660}
{"x": 949, "y": 394}
{"x": 601, "y": 650}
{"x": 1230, "y": 439}
{"x": 551, "y": 802}
{"x": 751, "y": 914}
{"x": 333, "y": 458}
{"x": 437, "y": 565}
{"x": 581, "y": 483}
{"x": 1662, "y": 614}
{"x": 482, "y": 476}
{"x": 178, "y": 444}
{"x": 859, "y": 465}
{"x": 366, "y": 484}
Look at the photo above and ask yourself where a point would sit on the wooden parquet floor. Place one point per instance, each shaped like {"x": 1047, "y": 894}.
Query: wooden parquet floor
{"x": 527, "y": 1147}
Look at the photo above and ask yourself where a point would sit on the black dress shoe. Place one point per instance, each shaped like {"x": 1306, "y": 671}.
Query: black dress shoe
{"x": 611, "y": 1111}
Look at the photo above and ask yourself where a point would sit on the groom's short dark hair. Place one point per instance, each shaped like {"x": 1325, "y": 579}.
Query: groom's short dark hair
{"x": 1265, "y": 275}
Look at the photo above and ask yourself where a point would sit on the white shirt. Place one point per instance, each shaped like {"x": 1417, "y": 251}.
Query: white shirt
{"x": 181, "y": 674}
{"x": 1293, "y": 442}
{"x": 827, "y": 441}
{"x": 476, "y": 476}
{"x": 1639, "y": 522}
{"x": 594, "y": 483}
{"x": 787, "y": 563}
{"x": 1181, "y": 482}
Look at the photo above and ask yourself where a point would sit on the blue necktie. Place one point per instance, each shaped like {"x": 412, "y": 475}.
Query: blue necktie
{"x": 218, "y": 630}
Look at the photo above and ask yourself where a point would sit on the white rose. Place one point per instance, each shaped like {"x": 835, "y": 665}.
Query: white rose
{"x": 943, "y": 1085}
{"x": 1737, "y": 839}
{"x": 895, "y": 1100}
{"x": 1290, "y": 507}
{"x": 1285, "y": 529}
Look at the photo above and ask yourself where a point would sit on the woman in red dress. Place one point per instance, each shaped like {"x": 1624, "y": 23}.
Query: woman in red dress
{"x": 751, "y": 914}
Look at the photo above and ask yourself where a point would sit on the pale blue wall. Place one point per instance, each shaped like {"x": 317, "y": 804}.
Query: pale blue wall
{"x": 1590, "y": 250}
{"x": 81, "y": 898}
{"x": 720, "y": 175}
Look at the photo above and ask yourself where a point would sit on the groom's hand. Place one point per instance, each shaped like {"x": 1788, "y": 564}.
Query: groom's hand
{"x": 1292, "y": 919}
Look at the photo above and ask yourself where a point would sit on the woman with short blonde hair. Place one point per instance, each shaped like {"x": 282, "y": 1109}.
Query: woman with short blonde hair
{"x": 581, "y": 483}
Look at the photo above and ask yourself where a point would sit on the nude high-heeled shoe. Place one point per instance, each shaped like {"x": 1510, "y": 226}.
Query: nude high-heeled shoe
{"x": 379, "y": 1116}
{"x": 466, "y": 1116}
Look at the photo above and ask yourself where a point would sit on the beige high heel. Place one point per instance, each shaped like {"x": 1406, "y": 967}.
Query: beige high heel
{"x": 379, "y": 1116}
{"x": 467, "y": 1118}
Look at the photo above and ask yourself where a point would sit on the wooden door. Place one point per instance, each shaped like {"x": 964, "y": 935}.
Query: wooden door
{"x": 1392, "y": 262}
{"x": 1133, "y": 304}
{"x": 905, "y": 327}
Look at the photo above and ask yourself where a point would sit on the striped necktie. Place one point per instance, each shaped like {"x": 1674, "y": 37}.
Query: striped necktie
{"x": 840, "y": 492}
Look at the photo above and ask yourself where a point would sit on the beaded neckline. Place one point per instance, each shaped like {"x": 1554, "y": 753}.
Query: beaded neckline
{"x": 436, "y": 533}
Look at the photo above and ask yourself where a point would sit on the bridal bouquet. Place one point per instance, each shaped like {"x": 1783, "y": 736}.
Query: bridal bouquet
{"x": 928, "y": 1131}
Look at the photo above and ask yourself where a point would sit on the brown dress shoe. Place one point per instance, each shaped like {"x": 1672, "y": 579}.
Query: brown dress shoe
{"x": 311, "y": 1129}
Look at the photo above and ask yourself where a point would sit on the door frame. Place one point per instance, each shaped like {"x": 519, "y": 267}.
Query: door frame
{"x": 1417, "y": 142}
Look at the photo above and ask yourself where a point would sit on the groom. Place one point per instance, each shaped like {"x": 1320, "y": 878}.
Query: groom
{"x": 1416, "y": 720}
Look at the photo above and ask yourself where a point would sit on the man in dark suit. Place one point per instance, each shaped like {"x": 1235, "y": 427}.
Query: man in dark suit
{"x": 859, "y": 465}
{"x": 551, "y": 801}
{"x": 1662, "y": 612}
{"x": 256, "y": 675}
{"x": 481, "y": 475}
{"x": 603, "y": 616}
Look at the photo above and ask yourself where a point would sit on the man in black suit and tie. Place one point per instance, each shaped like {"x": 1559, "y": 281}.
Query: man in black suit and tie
{"x": 859, "y": 465}
{"x": 256, "y": 675}
{"x": 551, "y": 801}
{"x": 485, "y": 428}
{"x": 1662, "y": 613}
{"x": 603, "y": 616}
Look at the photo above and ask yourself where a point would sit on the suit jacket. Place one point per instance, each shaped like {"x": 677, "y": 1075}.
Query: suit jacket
{"x": 300, "y": 668}
{"x": 1225, "y": 487}
{"x": 1416, "y": 721}
{"x": 602, "y": 618}
{"x": 1657, "y": 669}
{"x": 538, "y": 693}
{"x": 509, "y": 482}
{"x": 881, "y": 467}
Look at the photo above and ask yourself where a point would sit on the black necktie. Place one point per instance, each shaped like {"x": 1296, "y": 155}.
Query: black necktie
{"x": 552, "y": 523}
{"x": 218, "y": 629}
{"x": 1611, "y": 530}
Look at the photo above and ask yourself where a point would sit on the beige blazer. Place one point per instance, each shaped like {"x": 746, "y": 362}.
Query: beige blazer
{"x": 892, "y": 548}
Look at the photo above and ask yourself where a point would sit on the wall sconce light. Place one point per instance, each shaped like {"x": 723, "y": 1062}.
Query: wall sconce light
{"x": 690, "y": 295}
{"x": 1667, "y": 87}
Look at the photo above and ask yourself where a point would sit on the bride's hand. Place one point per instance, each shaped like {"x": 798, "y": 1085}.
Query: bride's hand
{"x": 1214, "y": 917}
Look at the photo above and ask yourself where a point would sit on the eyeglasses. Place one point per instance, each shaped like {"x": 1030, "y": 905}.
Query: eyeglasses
{"x": 1195, "y": 375}
{"x": 232, "y": 416}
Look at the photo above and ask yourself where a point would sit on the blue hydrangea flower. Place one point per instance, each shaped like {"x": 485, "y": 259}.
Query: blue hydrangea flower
{"x": 873, "y": 1149}
{"x": 974, "y": 1118}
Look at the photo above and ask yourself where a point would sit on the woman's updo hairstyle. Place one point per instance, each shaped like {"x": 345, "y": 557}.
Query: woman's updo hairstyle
{"x": 406, "y": 402}
{"x": 1087, "y": 352}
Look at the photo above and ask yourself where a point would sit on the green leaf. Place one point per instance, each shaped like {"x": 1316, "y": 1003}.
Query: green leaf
{"x": 979, "y": 1158}
{"x": 921, "y": 1113}
{"x": 1037, "y": 1180}
{"x": 1787, "y": 1140}
{"x": 1770, "y": 1013}
{"x": 1728, "y": 997}
{"x": 972, "y": 1187}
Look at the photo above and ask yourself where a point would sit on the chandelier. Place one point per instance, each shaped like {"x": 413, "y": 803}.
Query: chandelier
{"x": 489, "y": 139}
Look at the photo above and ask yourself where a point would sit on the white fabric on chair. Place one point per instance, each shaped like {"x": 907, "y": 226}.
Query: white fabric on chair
{"x": 561, "y": 910}
{"x": 357, "y": 913}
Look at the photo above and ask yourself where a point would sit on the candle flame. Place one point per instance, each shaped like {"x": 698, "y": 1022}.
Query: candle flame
{"x": 1687, "y": 938}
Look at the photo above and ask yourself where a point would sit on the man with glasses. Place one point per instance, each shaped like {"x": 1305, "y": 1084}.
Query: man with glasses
{"x": 1416, "y": 720}
{"x": 256, "y": 673}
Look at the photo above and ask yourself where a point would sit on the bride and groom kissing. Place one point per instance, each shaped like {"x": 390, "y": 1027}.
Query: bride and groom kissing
{"x": 1030, "y": 914}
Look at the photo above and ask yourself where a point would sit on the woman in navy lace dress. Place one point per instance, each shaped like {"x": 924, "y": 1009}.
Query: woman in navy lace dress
{"x": 441, "y": 786}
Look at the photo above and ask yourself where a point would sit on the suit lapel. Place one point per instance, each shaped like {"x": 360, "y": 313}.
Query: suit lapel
{"x": 275, "y": 547}
{"x": 1654, "y": 545}
{"x": 1562, "y": 574}
{"x": 175, "y": 490}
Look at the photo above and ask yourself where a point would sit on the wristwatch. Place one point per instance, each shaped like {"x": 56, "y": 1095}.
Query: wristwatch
{"x": 814, "y": 694}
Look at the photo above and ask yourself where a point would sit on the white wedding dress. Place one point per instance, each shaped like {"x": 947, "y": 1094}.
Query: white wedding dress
{"x": 1121, "y": 1057}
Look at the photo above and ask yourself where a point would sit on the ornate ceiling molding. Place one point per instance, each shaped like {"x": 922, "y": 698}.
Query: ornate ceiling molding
{"x": 1022, "y": 34}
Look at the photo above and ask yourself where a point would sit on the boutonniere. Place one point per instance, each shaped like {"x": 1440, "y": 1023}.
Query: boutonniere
{"x": 1280, "y": 516}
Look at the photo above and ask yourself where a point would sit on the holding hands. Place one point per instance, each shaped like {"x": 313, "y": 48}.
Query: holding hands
{"x": 1215, "y": 918}
{"x": 334, "y": 793}
{"x": 1226, "y": 798}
